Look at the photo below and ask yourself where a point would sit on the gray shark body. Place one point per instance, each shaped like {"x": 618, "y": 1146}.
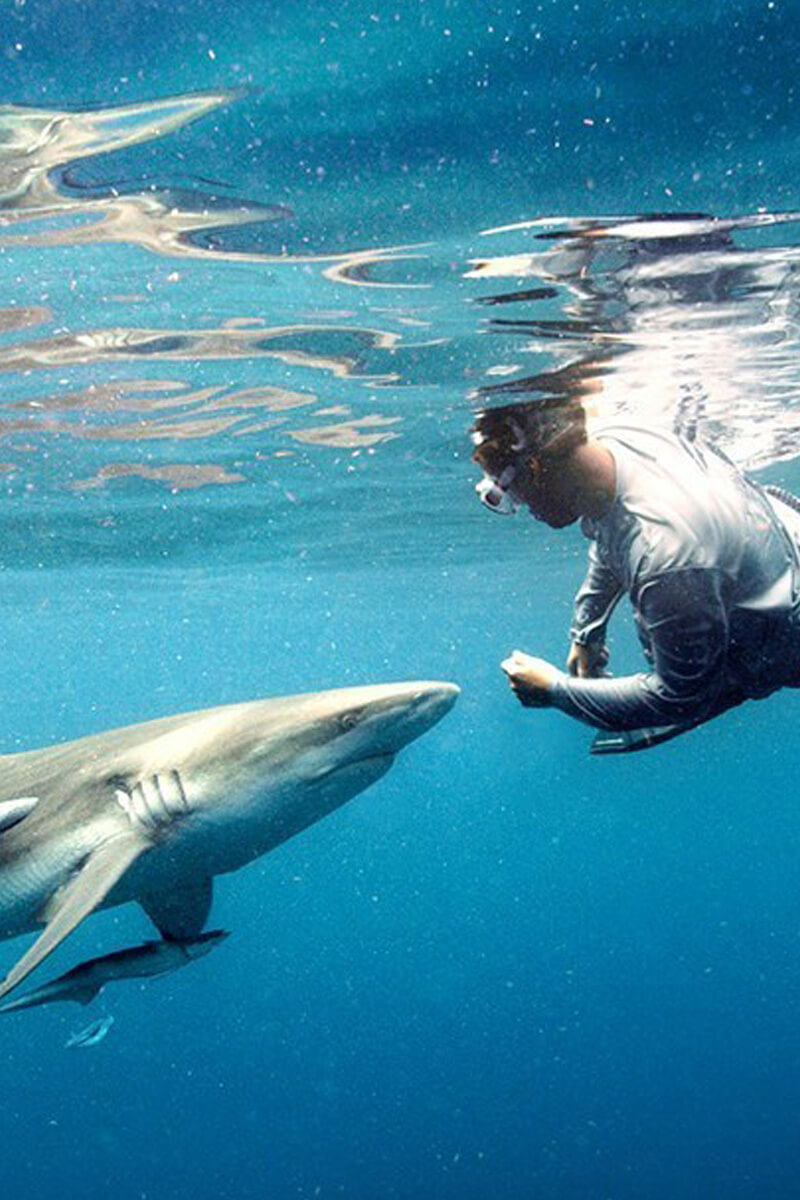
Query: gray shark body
{"x": 153, "y": 812}
{"x": 147, "y": 961}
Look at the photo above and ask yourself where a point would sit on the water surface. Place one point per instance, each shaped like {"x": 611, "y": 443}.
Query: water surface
{"x": 259, "y": 269}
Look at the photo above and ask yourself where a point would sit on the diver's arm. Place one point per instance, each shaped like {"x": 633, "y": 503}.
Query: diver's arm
{"x": 687, "y": 622}
{"x": 597, "y": 598}
{"x": 587, "y": 660}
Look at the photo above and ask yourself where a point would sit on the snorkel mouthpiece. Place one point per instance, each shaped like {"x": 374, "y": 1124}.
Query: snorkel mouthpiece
{"x": 493, "y": 489}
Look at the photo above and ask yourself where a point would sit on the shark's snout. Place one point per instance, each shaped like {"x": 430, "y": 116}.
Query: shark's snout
{"x": 418, "y": 708}
{"x": 373, "y": 725}
{"x": 437, "y": 699}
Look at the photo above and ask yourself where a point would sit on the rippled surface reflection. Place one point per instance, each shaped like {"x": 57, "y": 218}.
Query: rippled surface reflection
{"x": 685, "y": 321}
{"x": 172, "y": 373}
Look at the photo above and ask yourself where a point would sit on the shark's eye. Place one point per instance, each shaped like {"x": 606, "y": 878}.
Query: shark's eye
{"x": 349, "y": 720}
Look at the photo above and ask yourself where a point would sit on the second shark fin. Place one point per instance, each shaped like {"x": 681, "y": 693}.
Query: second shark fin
{"x": 14, "y": 811}
{"x": 82, "y": 995}
{"x": 102, "y": 869}
{"x": 182, "y": 912}
{"x": 86, "y": 994}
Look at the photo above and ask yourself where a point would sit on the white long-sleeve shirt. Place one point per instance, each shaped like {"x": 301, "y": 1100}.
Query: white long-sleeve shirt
{"x": 711, "y": 564}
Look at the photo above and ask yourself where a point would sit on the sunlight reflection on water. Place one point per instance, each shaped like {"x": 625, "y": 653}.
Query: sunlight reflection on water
{"x": 335, "y": 379}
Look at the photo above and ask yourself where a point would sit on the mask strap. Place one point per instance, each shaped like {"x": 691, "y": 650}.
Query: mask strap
{"x": 520, "y": 441}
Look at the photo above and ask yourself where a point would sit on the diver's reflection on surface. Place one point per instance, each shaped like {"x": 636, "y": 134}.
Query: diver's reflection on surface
{"x": 662, "y": 319}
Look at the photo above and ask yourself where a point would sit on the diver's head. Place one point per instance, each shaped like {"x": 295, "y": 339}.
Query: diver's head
{"x": 524, "y": 450}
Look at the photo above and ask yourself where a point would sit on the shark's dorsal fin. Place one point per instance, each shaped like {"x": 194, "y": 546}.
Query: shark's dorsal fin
{"x": 102, "y": 869}
{"x": 182, "y": 912}
{"x": 14, "y": 811}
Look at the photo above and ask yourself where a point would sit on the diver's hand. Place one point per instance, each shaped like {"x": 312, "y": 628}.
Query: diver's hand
{"x": 531, "y": 679}
{"x": 587, "y": 662}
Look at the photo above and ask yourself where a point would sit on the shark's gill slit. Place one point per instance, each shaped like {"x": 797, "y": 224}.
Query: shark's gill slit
{"x": 142, "y": 809}
{"x": 160, "y": 796}
{"x": 182, "y": 797}
{"x": 154, "y": 801}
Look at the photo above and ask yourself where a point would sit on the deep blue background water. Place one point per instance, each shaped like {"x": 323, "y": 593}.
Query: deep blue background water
{"x": 507, "y": 970}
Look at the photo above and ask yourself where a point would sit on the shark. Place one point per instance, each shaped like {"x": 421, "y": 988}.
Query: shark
{"x": 151, "y": 813}
{"x": 147, "y": 961}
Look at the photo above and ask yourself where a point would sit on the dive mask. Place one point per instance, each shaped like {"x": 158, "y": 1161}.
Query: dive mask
{"x": 493, "y": 492}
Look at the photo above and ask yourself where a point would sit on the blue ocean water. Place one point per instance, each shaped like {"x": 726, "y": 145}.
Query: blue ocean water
{"x": 260, "y": 264}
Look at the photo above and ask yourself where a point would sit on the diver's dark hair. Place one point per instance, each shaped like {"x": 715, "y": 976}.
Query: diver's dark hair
{"x": 542, "y": 429}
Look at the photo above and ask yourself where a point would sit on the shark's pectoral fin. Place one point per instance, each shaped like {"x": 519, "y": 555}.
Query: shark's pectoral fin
{"x": 182, "y": 912}
{"x": 102, "y": 869}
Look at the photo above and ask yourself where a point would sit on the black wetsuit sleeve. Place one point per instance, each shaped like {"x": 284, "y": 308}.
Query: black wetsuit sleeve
{"x": 686, "y": 620}
{"x": 597, "y": 598}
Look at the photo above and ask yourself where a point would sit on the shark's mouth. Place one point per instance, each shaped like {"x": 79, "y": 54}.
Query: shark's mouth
{"x": 362, "y": 770}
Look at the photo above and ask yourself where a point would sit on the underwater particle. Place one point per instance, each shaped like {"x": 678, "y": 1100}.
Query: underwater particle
{"x": 92, "y": 1035}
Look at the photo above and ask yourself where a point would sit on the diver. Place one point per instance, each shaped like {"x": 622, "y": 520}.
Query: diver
{"x": 709, "y": 559}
